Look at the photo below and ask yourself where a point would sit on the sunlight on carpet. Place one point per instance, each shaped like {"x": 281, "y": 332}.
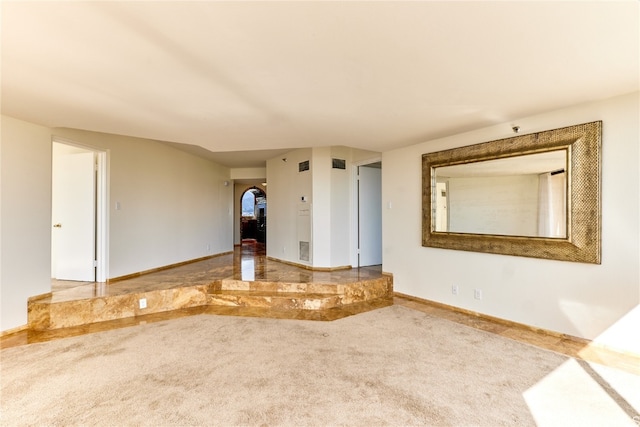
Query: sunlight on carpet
{"x": 559, "y": 398}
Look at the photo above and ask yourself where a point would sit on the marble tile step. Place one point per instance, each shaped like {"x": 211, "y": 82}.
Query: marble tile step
{"x": 50, "y": 313}
{"x": 274, "y": 300}
{"x": 282, "y": 287}
{"x": 343, "y": 288}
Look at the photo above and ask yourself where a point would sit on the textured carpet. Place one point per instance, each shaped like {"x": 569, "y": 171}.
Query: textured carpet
{"x": 393, "y": 366}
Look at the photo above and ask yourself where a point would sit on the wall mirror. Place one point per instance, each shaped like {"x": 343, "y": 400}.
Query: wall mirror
{"x": 535, "y": 195}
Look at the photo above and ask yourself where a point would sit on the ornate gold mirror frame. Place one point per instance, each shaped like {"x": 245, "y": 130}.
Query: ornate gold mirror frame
{"x": 583, "y": 235}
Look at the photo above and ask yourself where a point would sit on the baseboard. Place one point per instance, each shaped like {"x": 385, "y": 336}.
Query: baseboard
{"x": 310, "y": 267}
{"x": 165, "y": 267}
{"x": 14, "y": 330}
{"x": 492, "y": 318}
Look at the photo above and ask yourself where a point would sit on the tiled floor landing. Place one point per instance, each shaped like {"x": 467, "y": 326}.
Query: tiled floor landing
{"x": 244, "y": 283}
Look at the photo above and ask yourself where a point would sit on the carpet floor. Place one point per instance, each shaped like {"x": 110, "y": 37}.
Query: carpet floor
{"x": 392, "y": 366}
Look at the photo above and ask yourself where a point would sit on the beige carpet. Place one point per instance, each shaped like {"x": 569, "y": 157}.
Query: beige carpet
{"x": 392, "y": 366}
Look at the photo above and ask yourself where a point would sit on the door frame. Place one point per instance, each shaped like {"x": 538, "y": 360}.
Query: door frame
{"x": 101, "y": 213}
{"x": 355, "y": 205}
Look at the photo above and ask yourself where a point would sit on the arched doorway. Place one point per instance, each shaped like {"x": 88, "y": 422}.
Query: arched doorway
{"x": 253, "y": 217}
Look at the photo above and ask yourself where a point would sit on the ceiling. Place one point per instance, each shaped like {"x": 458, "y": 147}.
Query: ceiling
{"x": 240, "y": 82}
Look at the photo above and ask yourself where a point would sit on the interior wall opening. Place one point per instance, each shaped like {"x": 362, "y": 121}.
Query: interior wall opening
{"x": 369, "y": 213}
{"x": 78, "y": 213}
{"x": 253, "y": 217}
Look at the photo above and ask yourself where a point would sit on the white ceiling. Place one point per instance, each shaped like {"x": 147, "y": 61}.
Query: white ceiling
{"x": 244, "y": 76}
{"x": 529, "y": 164}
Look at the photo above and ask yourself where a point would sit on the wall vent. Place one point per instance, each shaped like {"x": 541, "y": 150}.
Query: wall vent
{"x": 303, "y": 166}
{"x": 338, "y": 163}
{"x": 304, "y": 251}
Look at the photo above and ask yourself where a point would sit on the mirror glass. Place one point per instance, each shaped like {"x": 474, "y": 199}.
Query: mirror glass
{"x": 514, "y": 196}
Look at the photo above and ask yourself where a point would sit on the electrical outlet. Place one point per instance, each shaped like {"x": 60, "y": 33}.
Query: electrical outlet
{"x": 454, "y": 289}
{"x": 477, "y": 293}
{"x": 143, "y": 303}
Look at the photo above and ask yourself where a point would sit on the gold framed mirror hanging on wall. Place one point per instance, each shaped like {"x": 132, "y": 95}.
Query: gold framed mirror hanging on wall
{"x": 535, "y": 195}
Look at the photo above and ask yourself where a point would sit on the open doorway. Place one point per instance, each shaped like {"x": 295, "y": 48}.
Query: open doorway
{"x": 253, "y": 217}
{"x": 78, "y": 239}
{"x": 369, "y": 214}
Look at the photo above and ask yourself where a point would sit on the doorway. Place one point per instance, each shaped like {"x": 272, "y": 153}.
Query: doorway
{"x": 369, "y": 214}
{"x": 78, "y": 239}
{"x": 253, "y": 215}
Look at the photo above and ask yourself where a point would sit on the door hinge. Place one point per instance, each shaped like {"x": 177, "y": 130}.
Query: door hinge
{"x": 95, "y": 262}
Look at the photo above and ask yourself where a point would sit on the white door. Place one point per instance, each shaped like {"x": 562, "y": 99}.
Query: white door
{"x": 73, "y": 213}
{"x": 370, "y": 215}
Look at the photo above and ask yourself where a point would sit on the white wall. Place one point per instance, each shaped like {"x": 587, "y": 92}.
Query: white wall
{"x": 322, "y": 190}
{"x": 174, "y": 206}
{"x": 579, "y": 299}
{"x": 340, "y": 208}
{"x": 494, "y": 205}
{"x": 249, "y": 173}
{"x": 25, "y": 218}
{"x": 286, "y": 187}
{"x": 329, "y": 193}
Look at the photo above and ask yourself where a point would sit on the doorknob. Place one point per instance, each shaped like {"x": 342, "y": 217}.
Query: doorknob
{"x": 58, "y": 225}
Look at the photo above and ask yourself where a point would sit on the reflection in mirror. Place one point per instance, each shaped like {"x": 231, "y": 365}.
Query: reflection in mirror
{"x": 514, "y": 196}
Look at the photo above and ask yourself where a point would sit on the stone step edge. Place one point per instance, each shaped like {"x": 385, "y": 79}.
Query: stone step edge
{"x": 272, "y": 294}
{"x": 301, "y": 288}
{"x": 274, "y": 301}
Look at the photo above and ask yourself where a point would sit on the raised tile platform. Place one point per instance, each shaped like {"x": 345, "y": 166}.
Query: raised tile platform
{"x": 299, "y": 296}
{"x": 242, "y": 283}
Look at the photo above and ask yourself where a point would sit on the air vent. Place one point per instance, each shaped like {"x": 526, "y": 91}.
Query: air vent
{"x": 304, "y": 251}
{"x": 338, "y": 164}
{"x": 303, "y": 166}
